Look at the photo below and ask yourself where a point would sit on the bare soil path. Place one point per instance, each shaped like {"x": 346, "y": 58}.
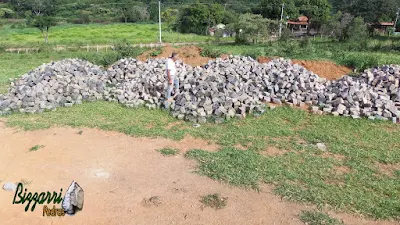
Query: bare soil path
{"x": 118, "y": 172}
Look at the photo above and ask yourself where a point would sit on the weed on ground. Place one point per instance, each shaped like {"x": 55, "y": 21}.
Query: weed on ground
{"x": 36, "y": 147}
{"x": 168, "y": 151}
{"x": 318, "y": 218}
{"x": 214, "y": 201}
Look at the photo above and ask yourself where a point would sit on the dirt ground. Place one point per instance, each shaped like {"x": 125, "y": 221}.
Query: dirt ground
{"x": 325, "y": 69}
{"x": 120, "y": 173}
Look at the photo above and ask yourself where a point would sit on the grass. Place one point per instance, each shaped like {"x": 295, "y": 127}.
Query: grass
{"x": 36, "y": 147}
{"x": 92, "y": 34}
{"x": 214, "y": 201}
{"x": 318, "y": 218}
{"x": 346, "y": 178}
{"x": 168, "y": 151}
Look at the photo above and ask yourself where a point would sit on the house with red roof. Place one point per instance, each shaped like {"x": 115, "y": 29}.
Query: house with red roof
{"x": 300, "y": 24}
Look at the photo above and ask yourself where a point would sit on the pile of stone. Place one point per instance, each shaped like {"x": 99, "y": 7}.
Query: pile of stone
{"x": 62, "y": 83}
{"x": 374, "y": 94}
{"x": 134, "y": 83}
{"x": 222, "y": 89}
{"x": 237, "y": 86}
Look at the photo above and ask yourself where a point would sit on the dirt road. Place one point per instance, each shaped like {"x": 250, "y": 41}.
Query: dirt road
{"x": 118, "y": 172}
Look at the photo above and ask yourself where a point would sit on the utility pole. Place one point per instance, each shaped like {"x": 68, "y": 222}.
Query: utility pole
{"x": 280, "y": 24}
{"x": 159, "y": 18}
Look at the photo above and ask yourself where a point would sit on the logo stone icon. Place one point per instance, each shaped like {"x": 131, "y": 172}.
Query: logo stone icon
{"x": 73, "y": 199}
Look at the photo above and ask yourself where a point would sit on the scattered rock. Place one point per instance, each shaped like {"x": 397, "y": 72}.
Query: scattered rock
{"x": 321, "y": 146}
{"x": 10, "y": 187}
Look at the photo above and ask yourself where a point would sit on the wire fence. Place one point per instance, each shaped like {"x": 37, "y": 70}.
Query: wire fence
{"x": 106, "y": 48}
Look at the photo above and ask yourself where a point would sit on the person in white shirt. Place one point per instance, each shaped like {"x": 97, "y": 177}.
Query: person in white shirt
{"x": 172, "y": 78}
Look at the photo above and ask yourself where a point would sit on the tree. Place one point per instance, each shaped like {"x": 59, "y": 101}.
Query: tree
{"x": 317, "y": 11}
{"x": 337, "y": 25}
{"x": 40, "y": 15}
{"x": 170, "y": 17}
{"x": 252, "y": 28}
{"x": 43, "y": 23}
{"x": 153, "y": 11}
{"x": 6, "y": 13}
{"x": 356, "y": 31}
{"x": 199, "y": 17}
{"x": 370, "y": 10}
{"x": 139, "y": 13}
{"x": 273, "y": 8}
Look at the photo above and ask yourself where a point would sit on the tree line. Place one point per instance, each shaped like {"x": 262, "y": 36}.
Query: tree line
{"x": 255, "y": 17}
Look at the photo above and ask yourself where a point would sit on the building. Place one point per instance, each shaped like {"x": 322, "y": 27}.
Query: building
{"x": 382, "y": 27}
{"x": 300, "y": 24}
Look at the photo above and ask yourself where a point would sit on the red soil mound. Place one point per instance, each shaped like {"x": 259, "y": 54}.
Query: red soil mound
{"x": 324, "y": 69}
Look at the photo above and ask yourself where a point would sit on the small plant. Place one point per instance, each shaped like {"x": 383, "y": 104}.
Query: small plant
{"x": 253, "y": 53}
{"x": 36, "y": 147}
{"x": 211, "y": 52}
{"x": 125, "y": 49}
{"x": 214, "y": 201}
{"x": 80, "y": 132}
{"x": 168, "y": 151}
{"x": 156, "y": 52}
{"x": 318, "y": 218}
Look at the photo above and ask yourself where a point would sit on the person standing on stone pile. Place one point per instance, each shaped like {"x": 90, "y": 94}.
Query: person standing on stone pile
{"x": 172, "y": 78}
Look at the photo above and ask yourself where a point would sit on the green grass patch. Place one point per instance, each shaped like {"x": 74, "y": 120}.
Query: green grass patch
{"x": 214, "y": 201}
{"x": 168, "y": 151}
{"x": 318, "y": 218}
{"x": 36, "y": 147}
{"x": 93, "y": 34}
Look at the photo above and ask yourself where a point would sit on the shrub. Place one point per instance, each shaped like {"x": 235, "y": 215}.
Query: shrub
{"x": 290, "y": 47}
{"x": 103, "y": 59}
{"x": 285, "y": 34}
{"x": 3, "y": 47}
{"x": 359, "y": 61}
{"x": 156, "y": 52}
{"x": 125, "y": 49}
{"x": 356, "y": 30}
{"x": 211, "y": 52}
{"x": 253, "y": 53}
